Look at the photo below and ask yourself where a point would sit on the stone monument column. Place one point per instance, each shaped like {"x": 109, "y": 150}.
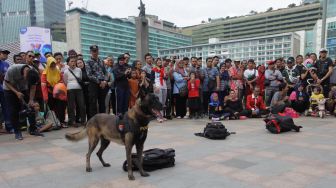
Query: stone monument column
{"x": 141, "y": 24}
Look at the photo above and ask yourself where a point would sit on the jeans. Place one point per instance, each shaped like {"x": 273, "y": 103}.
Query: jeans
{"x": 96, "y": 95}
{"x": 14, "y": 110}
{"x": 76, "y": 98}
{"x": 269, "y": 94}
{"x": 5, "y": 111}
{"x": 122, "y": 100}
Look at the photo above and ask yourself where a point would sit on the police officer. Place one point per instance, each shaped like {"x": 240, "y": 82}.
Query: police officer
{"x": 98, "y": 86}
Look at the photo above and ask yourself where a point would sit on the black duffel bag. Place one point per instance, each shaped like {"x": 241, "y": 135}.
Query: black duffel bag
{"x": 154, "y": 159}
{"x": 278, "y": 124}
{"x": 215, "y": 131}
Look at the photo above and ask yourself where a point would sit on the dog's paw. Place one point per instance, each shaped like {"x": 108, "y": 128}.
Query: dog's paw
{"x": 88, "y": 169}
{"x": 144, "y": 174}
{"x": 106, "y": 165}
{"x": 131, "y": 177}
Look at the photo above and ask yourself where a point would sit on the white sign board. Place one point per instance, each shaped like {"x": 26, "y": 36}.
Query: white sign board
{"x": 35, "y": 39}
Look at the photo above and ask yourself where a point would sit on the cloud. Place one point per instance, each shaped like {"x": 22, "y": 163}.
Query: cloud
{"x": 182, "y": 12}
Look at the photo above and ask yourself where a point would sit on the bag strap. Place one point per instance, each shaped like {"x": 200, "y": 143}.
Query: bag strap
{"x": 79, "y": 82}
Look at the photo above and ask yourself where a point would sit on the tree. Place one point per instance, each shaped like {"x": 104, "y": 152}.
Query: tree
{"x": 292, "y": 5}
{"x": 253, "y": 12}
{"x": 269, "y": 9}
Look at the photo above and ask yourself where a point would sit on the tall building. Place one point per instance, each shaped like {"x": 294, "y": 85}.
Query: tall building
{"x": 331, "y": 38}
{"x": 23, "y": 13}
{"x": 114, "y": 36}
{"x": 284, "y": 20}
{"x": 261, "y": 49}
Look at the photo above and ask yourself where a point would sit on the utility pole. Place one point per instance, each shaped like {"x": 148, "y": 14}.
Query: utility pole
{"x": 324, "y": 23}
{"x": 2, "y": 24}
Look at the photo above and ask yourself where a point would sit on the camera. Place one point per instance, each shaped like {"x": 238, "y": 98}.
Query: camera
{"x": 25, "y": 113}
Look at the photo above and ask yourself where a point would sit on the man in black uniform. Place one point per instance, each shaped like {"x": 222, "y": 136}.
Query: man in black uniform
{"x": 324, "y": 68}
{"x": 98, "y": 87}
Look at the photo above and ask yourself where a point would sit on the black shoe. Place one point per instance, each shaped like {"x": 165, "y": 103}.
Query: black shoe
{"x": 18, "y": 136}
{"x": 35, "y": 133}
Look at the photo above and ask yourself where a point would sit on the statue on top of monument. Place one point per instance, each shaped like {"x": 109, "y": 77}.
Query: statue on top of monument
{"x": 142, "y": 9}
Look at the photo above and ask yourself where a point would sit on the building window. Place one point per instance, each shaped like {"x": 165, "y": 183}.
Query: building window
{"x": 287, "y": 45}
{"x": 262, "y": 41}
{"x": 269, "y": 40}
{"x": 261, "y": 48}
{"x": 22, "y": 12}
{"x": 269, "y": 47}
{"x": 278, "y": 46}
{"x": 12, "y": 13}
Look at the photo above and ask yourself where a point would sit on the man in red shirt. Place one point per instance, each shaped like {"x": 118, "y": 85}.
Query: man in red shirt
{"x": 255, "y": 106}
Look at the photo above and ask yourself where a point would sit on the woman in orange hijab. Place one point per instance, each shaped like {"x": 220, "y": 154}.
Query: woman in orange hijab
{"x": 50, "y": 81}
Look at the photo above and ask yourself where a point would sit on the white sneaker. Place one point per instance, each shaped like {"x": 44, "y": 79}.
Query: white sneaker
{"x": 178, "y": 117}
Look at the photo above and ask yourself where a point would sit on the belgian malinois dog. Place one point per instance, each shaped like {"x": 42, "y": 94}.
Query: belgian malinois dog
{"x": 106, "y": 128}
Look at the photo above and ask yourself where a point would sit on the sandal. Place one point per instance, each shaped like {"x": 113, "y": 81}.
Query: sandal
{"x": 64, "y": 125}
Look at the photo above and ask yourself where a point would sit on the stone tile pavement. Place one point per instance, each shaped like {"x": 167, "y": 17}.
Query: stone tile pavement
{"x": 251, "y": 158}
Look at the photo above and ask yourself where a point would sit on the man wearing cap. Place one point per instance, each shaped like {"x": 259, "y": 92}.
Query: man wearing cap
{"x": 98, "y": 86}
{"x": 324, "y": 68}
{"x": 4, "y": 65}
{"x": 274, "y": 79}
{"x": 289, "y": 74}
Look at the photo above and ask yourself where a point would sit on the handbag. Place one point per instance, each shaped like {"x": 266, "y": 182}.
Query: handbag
{"x": 80, "y": 82}
{"x": 183, "y": 91}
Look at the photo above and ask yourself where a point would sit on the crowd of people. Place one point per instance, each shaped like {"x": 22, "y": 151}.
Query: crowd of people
{"x": 221, "y": 89}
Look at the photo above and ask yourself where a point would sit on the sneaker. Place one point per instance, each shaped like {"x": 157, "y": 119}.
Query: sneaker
{"x": 18, "y": 136}
{"x": 178, "y": 117}
{"x": 185, "y": 117}
{"x": 36, "y": 133}
{"x": 159, "y": 120}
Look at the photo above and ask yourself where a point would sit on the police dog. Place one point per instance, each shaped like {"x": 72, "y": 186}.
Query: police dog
{"x": 106, "y": 128}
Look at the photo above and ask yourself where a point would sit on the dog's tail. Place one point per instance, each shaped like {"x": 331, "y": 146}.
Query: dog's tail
{"x": 76, "y": 136}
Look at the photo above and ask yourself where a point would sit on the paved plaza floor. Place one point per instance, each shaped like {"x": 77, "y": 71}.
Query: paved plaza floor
{"x": 251, "y": 158}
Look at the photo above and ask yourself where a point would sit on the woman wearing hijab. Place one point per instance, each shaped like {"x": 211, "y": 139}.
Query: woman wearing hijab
{"x": 159, "y": 86}
{"x": 180, "y": 77}
{"x": 261, "y": 79}
{"x": 50, "y": 77}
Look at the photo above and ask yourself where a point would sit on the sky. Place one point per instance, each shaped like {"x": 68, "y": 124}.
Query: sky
{"x": 181, "y": 12}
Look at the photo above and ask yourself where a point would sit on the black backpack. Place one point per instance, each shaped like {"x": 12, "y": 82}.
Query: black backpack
{"x": 278, "y": 124}
{"x": 154, "y": 159}
{"x": 215, "y": 131}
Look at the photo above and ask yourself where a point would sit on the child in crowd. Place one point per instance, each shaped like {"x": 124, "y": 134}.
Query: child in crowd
{"x": 216, "y": 108}
{"x": 41, "y": 124}
{"x": 314, "y": 98}
{"x": 133, "y": 83}
{"x": 299, "y": 99}
{"x": 143, "y": 85}
{"x": 194, "y": 101}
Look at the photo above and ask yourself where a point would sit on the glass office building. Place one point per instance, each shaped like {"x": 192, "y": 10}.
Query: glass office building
{"x": 261, "y": 49}
{"x": 23, "y": 13}
{"x": 299, "y": 18}
{"x": 331, "y": 39}
{"x": 114, "y": 36}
